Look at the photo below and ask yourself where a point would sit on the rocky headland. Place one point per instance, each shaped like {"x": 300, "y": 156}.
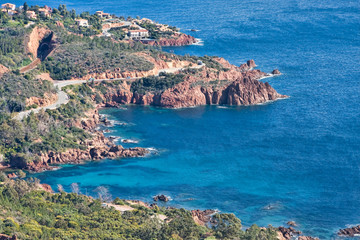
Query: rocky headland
{"x": 230, "y": 85}
{"x": 96, "y": 148}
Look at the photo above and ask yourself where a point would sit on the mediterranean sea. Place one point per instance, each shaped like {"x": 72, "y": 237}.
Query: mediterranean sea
{"x": 294, "y": 159}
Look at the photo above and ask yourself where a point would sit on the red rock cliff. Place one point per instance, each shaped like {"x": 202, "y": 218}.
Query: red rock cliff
{"x": 234, "y": 86}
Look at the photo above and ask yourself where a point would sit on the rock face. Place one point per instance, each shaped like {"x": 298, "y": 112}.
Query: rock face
{"x": 202, "y": 217}
{"x": 161, "y": 197}
{"x": 12, "y": 175}
{"x": 178, "y": 39}
{"x": 234, "y": 86}
{"x": 46, "y": 187}
{"x": 33, "y": 41}
{"x": 349, "y": 232}
{"x": 48, "y": 99}
{"x": 3, "y": 69}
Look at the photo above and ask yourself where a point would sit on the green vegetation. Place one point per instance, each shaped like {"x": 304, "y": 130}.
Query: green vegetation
{"x": 155, "y": 32}
{"x": 30, "y": 213}
{"x": 12, "y": 50}
{"x": 210, "y": 62}
{"x": 79, "y": 56}
{"x": 53, "y": 130}
{"x": 156, "y": 83}
{"x": 117, "y": 33}
{"x": 15, "y": 89}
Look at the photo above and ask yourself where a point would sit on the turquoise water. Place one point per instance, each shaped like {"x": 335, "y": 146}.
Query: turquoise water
{"x": 301, "y": 155}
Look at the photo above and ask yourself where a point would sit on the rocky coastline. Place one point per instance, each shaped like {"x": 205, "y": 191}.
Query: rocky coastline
{"x": 97, "y": 148}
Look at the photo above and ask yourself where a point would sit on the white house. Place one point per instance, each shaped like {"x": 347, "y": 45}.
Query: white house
{"x": 82, "y": 22}
{"x": 138, "y": 34}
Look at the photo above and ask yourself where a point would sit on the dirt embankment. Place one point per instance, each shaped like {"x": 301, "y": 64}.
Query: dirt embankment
{"x": 33, "y": 41}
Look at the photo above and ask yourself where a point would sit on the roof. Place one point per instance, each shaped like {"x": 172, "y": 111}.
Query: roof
{"x": 81, "y": 20}
{"x": 8, "y": 4}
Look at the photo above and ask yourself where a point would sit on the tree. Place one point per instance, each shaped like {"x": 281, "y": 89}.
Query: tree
{"x": 60, "y": 188}
{"x": 3, "y": 177}
{"x": 73, "y": 14}
{"x": 103, "y": 193}
{"x": 227, "y": 226}
{"x": 75, "y": 188}
{"x": 26, "y": 7}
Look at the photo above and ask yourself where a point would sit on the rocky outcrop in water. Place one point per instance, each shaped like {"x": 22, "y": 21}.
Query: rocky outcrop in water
{"x": 276, "y": 72}
{"x": 349, "y": 232}
{"x": 161, "y": 198}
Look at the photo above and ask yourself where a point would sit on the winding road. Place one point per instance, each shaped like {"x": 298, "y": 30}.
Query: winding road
{"x": 63, "y": 98}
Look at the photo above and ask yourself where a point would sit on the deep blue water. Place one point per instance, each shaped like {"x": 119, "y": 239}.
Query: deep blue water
{"x": 300, "y": 155}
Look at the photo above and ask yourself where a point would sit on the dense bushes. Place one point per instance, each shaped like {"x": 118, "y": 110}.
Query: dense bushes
{"x": 155, "y": 32}
{"x": 33, "y": 214}
{"x": 78, "y": 58}
{"x": 15, "y": 89}
{"x": 12, "y": 50}
{"x": 156, "y": 83}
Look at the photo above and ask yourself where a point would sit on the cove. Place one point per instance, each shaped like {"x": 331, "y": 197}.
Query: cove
{"x": 243, "y": 160}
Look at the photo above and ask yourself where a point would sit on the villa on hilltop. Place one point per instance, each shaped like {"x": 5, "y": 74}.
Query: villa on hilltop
{"x": 82, "y": 22}
{"x": 103, "y": 15}
{"x": 138, "y": 34}
{"x": 8, "y": 6}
